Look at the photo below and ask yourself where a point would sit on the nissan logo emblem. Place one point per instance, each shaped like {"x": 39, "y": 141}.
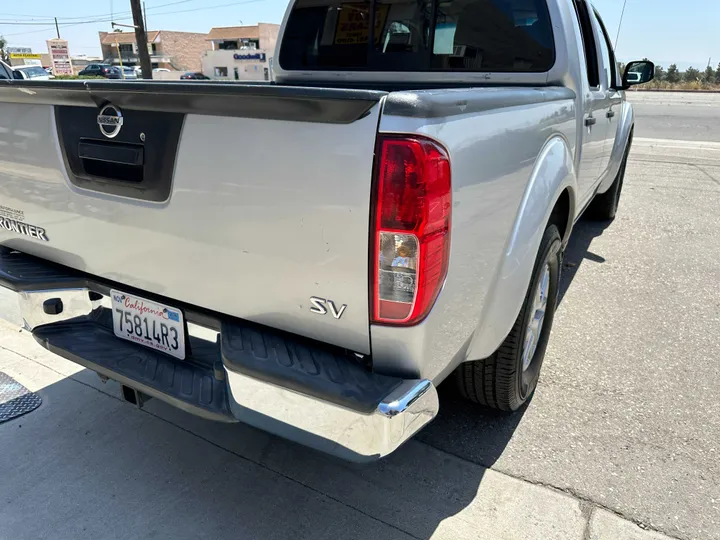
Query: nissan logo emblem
{"x": 110, "y": 121}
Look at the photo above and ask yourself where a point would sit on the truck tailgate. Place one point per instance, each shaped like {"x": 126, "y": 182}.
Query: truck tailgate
{"x": 249, "y": 200}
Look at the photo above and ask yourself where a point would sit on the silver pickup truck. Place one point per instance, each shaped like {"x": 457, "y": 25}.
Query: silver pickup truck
{"x": 314, "y": 256}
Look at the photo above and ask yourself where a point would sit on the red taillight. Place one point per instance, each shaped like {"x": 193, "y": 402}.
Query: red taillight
{"x": 411, "y": 228}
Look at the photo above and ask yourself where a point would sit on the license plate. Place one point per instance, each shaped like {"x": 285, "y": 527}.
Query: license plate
{"x": 154, "y": 325}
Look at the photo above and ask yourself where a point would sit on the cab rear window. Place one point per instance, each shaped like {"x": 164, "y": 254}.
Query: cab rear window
{"x": 419, "y": 35}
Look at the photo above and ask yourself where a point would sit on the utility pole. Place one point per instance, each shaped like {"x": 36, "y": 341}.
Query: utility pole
{"x": 141, "y": 39}
{"x": 57, "y": 28}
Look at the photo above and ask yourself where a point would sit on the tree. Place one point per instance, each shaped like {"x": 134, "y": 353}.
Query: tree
{"x": 709, "y": 75}
{"x": 717, "y": 75}
{"x": 673, "y": 75}
{"x": 660, "y": 73}
{"x": 3, "y": 43}
{"x": 691, "y": 74}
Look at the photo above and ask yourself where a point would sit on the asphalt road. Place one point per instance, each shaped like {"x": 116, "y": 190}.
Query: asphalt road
{"x": 626, "y": 415}
{"x": 677, "y": 115}
{"x": 627, "y": 412}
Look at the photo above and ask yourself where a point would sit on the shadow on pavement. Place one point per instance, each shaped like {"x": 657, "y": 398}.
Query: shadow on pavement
{"x": 468, "y": 430}
{"x": 480, "y": 435}
{"x": 584, "y": 232}
{"x": 85, "y": 465}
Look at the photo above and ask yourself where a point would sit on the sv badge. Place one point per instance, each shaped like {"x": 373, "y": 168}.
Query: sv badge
{"x": 321, "y": 306}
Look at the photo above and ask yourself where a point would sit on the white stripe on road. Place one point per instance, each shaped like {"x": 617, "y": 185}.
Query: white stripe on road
{"x": 676, "y": 143}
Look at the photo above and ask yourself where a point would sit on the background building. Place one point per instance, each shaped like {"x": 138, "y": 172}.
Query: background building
{"x": 180, "y": 51}
{"x": 240, "y": 52}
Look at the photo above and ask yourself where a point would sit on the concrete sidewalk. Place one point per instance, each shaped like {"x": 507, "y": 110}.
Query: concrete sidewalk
{"x": 86, "y": 465}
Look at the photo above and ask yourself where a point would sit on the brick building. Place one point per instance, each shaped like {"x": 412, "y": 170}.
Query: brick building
{"x": 240, "y": 52}
{"x": 179, "y": 51}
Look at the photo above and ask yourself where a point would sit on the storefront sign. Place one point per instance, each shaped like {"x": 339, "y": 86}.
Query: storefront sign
{"x": 25, "y": 56}
{"x": 60, "y": 57}
{"x": 18, "y": 50}
{"x": 256, "y": 56}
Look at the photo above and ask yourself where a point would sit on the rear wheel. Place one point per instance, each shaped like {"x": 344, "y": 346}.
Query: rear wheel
{"x": 507, "y": 379}
{"x": 605, "y": 205}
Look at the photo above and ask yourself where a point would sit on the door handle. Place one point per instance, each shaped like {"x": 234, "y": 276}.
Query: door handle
{"x": 610, "y": 114}
{"x": 122, "y": 154}
{"x": 590, "y": 121}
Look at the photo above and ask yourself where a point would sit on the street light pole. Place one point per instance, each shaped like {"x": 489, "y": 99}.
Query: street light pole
{"x": 141, "y": 39}
{"x": 122, "y": 71}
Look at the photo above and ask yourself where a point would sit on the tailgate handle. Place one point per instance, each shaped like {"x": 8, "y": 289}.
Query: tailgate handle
{"x": 124, "y": 154}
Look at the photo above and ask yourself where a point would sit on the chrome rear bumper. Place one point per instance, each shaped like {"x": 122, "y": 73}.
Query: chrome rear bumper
{"x": 333, "y": 429}
{"x": 294, "y": 388}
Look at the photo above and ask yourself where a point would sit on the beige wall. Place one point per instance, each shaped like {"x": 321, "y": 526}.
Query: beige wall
{"x": 268, "y": 37}
{"x": 184, "y": 48}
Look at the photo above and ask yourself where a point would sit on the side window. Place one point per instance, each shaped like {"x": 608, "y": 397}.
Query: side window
{"x": 4, "y": 74}
{"x": 604, "y": 53}
{"x": 613, "y": 65}
{"x": 588, "y": 38}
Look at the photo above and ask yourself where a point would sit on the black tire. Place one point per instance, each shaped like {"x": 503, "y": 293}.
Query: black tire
{"x": 605, "y": 205}
{"x": 499, "y": 382}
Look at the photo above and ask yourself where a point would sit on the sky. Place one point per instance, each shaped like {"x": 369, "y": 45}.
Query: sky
{"x": 666, "y": 31}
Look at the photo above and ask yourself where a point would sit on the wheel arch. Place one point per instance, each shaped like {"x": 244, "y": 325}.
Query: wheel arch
{"x": 550, "y": 197}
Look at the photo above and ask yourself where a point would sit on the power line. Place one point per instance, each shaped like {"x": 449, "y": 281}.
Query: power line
{"x": 35, "y": 20}
{"x": 65, "y": 25}
{"x": 97, "y": 21}
{"x": 208, "y": 7}
{"x": 83, "y": 17}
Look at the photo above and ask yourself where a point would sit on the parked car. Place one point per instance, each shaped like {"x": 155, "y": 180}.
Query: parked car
{"x": 98, "y": 70}
{"x": 7, "y": 72}
{"x": 194, "y": 75}
{"x": 117, "y": 72}
{"x": 161, "y": 70}
{"x": 313, "y": 257}
{"x": 35, "y": 73}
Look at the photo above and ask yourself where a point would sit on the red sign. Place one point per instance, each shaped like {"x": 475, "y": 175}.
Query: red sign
{"x": 60, "y": 57}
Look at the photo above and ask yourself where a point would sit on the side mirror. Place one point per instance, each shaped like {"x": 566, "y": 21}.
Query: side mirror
{"x": 638, "y": 72}
{"x": 17, "y": 75}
